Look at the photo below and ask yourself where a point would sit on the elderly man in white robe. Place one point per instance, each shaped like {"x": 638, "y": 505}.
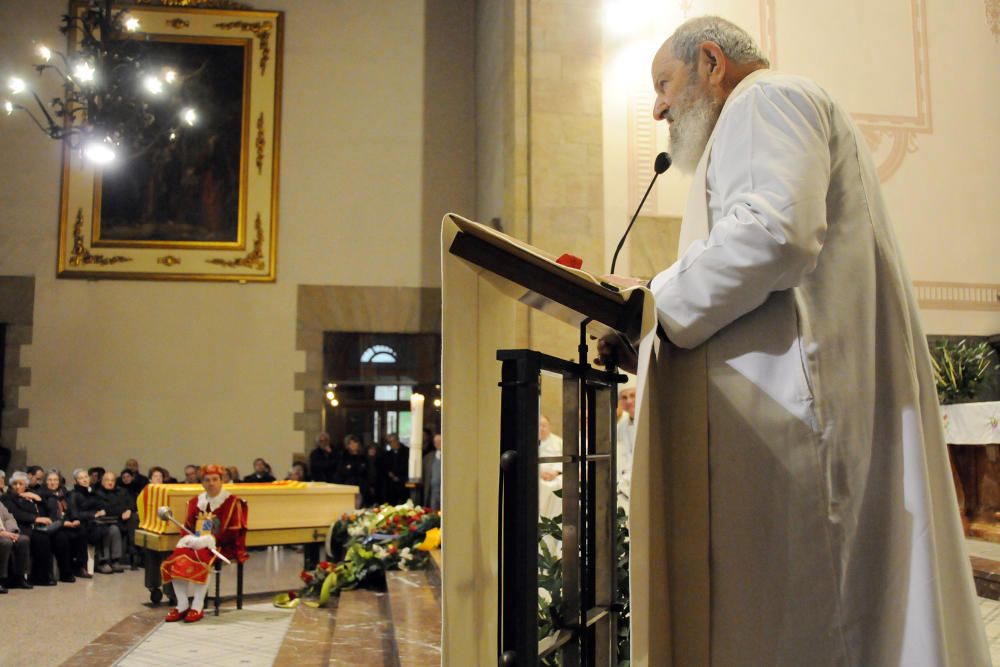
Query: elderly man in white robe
{"x": 834, "y": 533}
{"x": 625, "y": 441}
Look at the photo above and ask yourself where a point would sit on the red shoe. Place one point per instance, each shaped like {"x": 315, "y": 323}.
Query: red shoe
{"x": 194, "y": 616}
{"x": 173, "y": 616}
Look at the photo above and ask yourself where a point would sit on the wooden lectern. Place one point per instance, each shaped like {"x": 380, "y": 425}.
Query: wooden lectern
{"x": 485, "y": 275}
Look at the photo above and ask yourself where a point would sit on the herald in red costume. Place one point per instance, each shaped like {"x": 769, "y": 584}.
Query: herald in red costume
{"x": 224, "y": 517}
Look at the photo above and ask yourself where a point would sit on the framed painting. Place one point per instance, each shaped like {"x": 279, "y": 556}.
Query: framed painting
{"x": 198, "y": 203}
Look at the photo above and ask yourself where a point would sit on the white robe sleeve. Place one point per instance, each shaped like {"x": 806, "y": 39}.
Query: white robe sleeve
{"x": 770, "y": 169}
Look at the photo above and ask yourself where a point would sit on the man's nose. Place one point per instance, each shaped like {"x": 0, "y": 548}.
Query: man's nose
{"x": 660, "y": 109}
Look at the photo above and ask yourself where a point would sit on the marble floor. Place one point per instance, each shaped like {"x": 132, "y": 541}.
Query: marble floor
{"x": 108, "y": 621}
{"x": 81, "y": 612}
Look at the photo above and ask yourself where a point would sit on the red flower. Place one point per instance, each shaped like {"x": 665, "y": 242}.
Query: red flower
{"x": 413, "y": 527}
{"x": 393, "y": 549}
{"x": 324, "y": 565}
{"x": 292, "y": 595}
{"x": 306, "y": 577}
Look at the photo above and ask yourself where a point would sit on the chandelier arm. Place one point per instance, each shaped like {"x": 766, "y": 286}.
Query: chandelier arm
{"x": 43, "y": 67}
{"x": 46, "y": 130}
{"x": 48, "y": 117}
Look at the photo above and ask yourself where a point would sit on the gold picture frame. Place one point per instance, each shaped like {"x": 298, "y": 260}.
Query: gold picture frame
{"x": 204, "y": 210}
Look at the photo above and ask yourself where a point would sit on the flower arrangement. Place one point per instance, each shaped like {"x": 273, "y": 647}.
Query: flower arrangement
{"x": 368, "y": 543}
{"x": 961, "y": 370}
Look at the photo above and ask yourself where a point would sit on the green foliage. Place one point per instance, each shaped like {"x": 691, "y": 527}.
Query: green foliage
{"x": 550, "y": 599}
{"x": 960, "y": 370}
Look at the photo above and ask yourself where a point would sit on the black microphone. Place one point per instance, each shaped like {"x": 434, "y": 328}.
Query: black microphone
{"x": 661, "y": 164}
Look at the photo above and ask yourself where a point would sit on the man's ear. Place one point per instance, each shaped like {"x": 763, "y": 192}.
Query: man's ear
{"x": 712, "y": 62}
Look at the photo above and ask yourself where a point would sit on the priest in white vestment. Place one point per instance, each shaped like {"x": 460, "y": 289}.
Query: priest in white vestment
{"x": 549, "y": 474}
{"x": 834, "y": 532}
{"x": 625, "y": 442}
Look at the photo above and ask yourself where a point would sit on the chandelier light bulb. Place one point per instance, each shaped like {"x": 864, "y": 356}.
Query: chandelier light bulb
{"x": 330, "y": 395}
{"x": 16, "y": 84}
{"x": 437, "y": 402}
{"x": 43, "y": 52}
{"x": 173, "y": 135}
{"x": 170, "y": 76}
{"x": 189, "y": 116}
{"x": 8, "y": 106}
{"x": 99, "y": 152}
{"x": 153, "y": 84}
{"x": 334, "y": 402}
{"x": 131, "y": 24}
{"x": 84, "y": 72}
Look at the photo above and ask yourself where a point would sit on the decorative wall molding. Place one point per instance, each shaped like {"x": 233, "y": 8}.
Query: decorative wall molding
{"x": 957, "y": 296}
{"x": 993, "y": 17}
{"x": 891, "y": 137}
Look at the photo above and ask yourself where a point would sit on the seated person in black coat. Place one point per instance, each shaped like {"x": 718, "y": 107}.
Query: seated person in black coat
{"x": 121, "y": 516}
{"x": 45, "y": 537}
{"x": 85, "y": 506}
{"x": 261, "y": 472}
{"x": 57, "y": 502}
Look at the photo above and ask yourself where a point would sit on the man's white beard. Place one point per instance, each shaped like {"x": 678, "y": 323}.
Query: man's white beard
{"x": 692, "y": 125}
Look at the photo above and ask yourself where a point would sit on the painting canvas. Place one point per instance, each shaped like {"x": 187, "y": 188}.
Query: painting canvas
{"x": 198, "y": 203}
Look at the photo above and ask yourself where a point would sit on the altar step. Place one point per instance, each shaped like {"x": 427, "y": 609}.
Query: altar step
{"x": 398, "y": 627}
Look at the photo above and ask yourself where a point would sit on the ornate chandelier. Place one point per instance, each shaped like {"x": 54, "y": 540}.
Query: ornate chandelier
{"x": 115, "y": 101}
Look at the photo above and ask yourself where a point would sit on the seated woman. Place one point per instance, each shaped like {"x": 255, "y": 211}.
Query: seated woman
{"x": 158, "y": 475}
{"x": 88, "y": 509}
{"x": 120, "y": 510}
{"x": 45, "y": 537}
{"x": 217, "y": 520}
{"x": 57, "y": 502}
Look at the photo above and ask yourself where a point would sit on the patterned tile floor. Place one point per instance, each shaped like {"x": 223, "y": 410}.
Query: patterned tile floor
{"x": 991, "y": 618}
{"x": 248, "y": 637}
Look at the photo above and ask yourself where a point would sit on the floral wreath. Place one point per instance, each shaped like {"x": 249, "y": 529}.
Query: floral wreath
{"x": 366, "y": 544}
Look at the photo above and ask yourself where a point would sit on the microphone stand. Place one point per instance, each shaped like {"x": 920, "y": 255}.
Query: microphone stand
{"x": 661, "y": 165}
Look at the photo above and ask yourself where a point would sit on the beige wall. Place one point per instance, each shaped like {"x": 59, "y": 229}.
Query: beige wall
{"x": 917, "y": 76}
{"x": 179, "y": 372}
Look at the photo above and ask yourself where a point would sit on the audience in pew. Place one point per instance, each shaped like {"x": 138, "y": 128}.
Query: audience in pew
{"x": 45, "y": 529}
{"x": 120, "y": 516}
{"x": 158, "y": 475}
{"x": 45, "y": 537}
{"x": 85, "y": 505}
{"x": 14, "y": 547}
{"x": 57, "y": 502}
{"x": 298, "y": 472}
{"x": 261, "y": 472}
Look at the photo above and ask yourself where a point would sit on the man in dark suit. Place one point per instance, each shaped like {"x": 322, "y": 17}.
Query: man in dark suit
{"x": 395, "y": 469}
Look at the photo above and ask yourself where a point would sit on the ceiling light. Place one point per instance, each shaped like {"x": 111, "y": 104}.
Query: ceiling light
{"x": 99, "y": 152}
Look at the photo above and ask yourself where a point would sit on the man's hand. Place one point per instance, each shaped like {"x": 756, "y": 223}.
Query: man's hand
{"x": 43, "y": 520}
{"x": 31, "y": 495}
{"x": 614, "y": 350}
{"x": 549, "y": 475}
{"x": 126, "y": 515}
